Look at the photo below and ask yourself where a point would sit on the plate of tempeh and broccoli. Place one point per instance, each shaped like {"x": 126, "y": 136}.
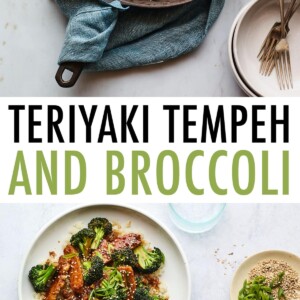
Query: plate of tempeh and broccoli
{"x": 105, "y": 252}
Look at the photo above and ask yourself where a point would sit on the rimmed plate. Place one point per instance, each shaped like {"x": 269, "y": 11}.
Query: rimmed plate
{"x": 155, "y": 3}
{"x": 243, "y": 85}
{"x": 250, "y": 33}
{"x": 242, "y": 272}
{"x": 175, "y": 276}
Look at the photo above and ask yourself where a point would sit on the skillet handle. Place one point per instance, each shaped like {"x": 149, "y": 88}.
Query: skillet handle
{"x": 75, "y": 68}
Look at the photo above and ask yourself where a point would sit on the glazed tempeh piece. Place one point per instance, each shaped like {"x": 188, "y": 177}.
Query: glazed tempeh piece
{"x": 63, "y": 266}
{"x": 58, "y": 284}
{"x": 129, "y": 280}
{"x": 130, "y": 240}
{"x": 56, "y": 287}
{"x": 76, "y": 274}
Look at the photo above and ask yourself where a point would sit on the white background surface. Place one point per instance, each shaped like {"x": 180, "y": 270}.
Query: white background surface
{"x": 31, "y": 36}
{"x": 243, "y": 231}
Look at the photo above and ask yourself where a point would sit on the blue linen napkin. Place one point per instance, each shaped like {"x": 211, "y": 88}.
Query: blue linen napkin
{"x": 107, "y": 36}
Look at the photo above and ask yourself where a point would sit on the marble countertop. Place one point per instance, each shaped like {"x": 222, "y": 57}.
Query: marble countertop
{"x": 32, "y": 33}
{"x": 243, "y": 231}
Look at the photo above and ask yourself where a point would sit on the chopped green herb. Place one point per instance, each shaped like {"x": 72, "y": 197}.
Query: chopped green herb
{"x": 258, "y": 289}
{"x": 71, "y": 255}
{"x": 281, "y": 294}
{"x": 277, "y": 281}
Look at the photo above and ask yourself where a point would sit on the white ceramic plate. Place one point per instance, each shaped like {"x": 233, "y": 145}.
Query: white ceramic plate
{"x": 175, "y": 276}
{"x": 237, "y": 76}
{"x": 244, "y": 269}
{"x": 250, "y": 33}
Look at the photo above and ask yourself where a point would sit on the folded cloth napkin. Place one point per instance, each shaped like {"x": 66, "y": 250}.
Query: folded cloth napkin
{"x": 107, "y": 36}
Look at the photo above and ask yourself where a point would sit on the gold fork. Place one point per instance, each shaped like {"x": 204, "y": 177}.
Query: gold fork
{"x": 281, "y": 58}
{"x": 282, "y": 63}
{"x": 267, "y": 51}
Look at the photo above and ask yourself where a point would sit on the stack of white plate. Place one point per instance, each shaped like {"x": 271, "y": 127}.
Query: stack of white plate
{"x": 247, "y": 34}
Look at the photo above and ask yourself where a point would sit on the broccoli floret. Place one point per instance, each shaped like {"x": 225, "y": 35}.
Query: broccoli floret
{"x": 40, "y": 277}
{"x": 149, "y": 261}
{"x": 143, "y": 293}
{"x": 111, "y": 288}
{"x": 82, "y": 241}
{"x": 93, "y": 270}
{"x": 102, "y": 227}
{"x": 124, "y": 257}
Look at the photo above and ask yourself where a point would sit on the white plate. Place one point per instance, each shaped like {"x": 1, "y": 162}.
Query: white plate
{"x": 175, "y": 275}
{"x": 237, "y": 76}
{"x": 250, "y": 33}
{"x": 242, "y": 272}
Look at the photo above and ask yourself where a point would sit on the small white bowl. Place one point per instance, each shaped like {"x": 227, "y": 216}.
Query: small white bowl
{"x": 242, "y": 272}
{"x": 251, "y": 31}
{"x": 237, "y": 76}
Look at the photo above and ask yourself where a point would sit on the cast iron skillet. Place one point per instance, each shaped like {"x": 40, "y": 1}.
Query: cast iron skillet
{"x": 76, "y": 67}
